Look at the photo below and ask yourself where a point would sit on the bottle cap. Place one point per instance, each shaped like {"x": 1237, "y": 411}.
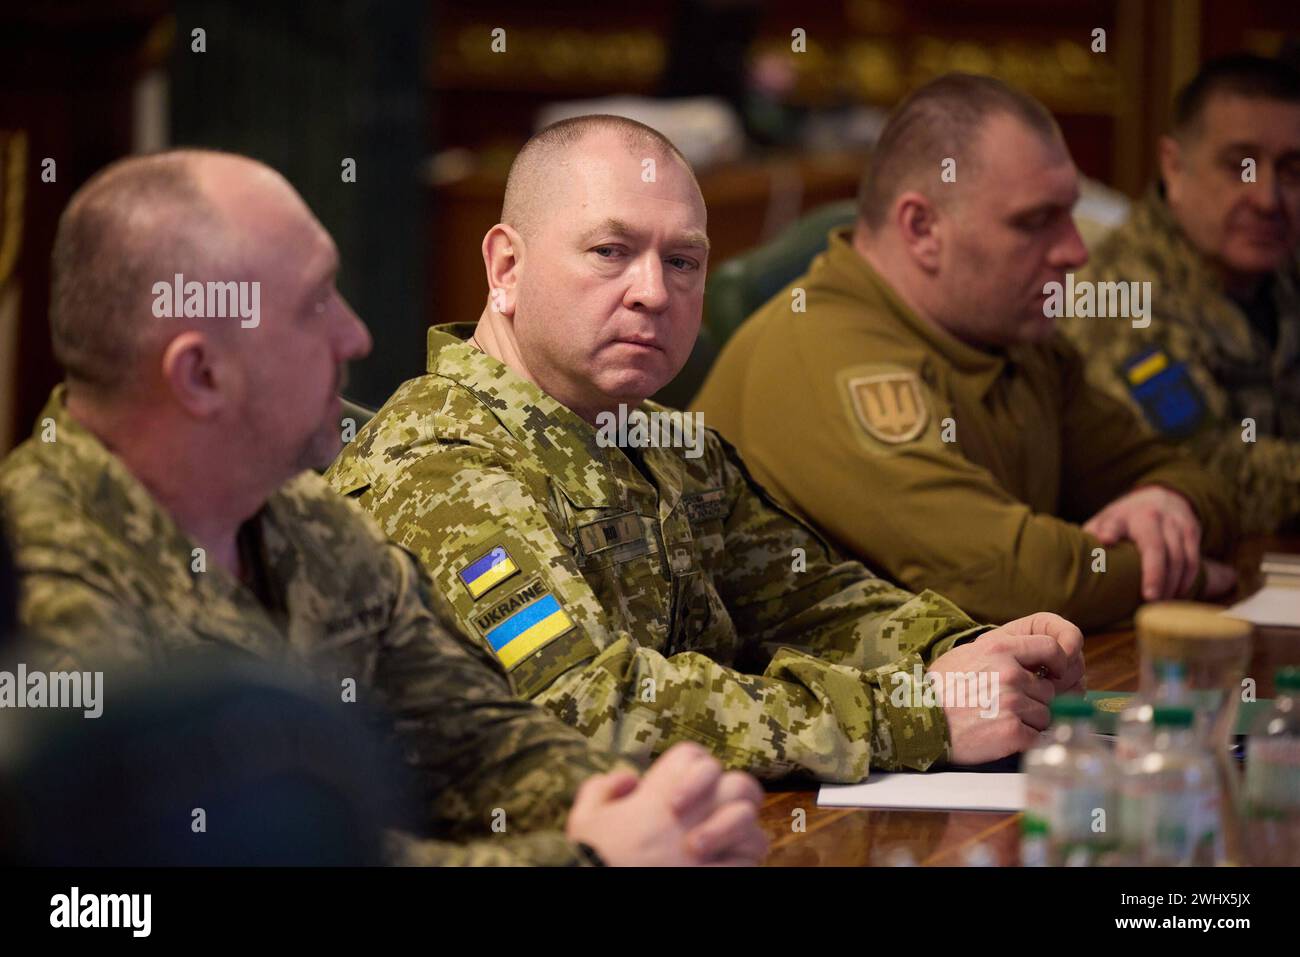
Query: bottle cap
{"x": 1169, "y": 716}
{"x": 1287, "y": 678}
{"x": 1071, "y": 706}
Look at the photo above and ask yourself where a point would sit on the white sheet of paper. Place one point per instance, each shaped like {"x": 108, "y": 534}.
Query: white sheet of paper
{"x": 1275, "y": 605}
{"x": 936, "y": 790}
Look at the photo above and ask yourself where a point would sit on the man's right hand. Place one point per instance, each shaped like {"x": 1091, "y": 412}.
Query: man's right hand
{"x": 684, "y": 812}
{"x": 1020, "y": 654}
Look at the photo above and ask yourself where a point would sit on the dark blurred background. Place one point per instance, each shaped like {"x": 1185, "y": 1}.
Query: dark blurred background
{"x": 431, "y": 104}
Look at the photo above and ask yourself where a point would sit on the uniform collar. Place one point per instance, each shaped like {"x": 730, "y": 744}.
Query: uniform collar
{"x": 562, "y": 440}
{"x": 850, "y": 271}
{"x": 107, "y": 493}
{"x": 1152, "y": 216}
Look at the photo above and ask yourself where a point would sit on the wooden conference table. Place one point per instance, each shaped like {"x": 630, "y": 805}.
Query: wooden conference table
{"x": 863, "y": 837}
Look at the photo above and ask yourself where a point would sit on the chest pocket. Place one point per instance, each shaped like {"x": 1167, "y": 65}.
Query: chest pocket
{"x": 621, "y": 557}
{"x": 610, "y": 539}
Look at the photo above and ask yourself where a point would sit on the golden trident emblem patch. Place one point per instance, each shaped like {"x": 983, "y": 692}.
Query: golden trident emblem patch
{"x": 890, "y": 406}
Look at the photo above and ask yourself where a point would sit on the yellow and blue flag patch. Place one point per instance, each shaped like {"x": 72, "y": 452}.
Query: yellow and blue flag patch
{"x": 1166, "y": 393}
{"x": 485, "y": 573}
{"x": 528, "y": 629}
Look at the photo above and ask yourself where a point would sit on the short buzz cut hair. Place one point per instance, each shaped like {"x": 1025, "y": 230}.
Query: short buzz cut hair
{"x": 522, "y": 185}
{"x": 136, "y": 222}
{"x": 1238, "y": 74}
{"x": 939, "y": 120}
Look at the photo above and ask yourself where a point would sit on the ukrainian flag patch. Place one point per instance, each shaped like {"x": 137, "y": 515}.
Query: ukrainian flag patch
{"x": 485, "y": 573}
{"x": 1165, "y": 392}
{"x": 528, "y": 629}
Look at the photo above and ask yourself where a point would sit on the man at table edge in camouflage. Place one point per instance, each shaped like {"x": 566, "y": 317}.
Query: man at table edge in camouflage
{"x": 648, "y": 594}
{"x": 162, "y": 506}
{"x": 1216, "y": 364}
{"x": 935, "y": 425}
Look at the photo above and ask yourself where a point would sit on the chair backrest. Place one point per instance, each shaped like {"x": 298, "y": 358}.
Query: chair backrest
{"x": 742, "y": 284}
{"x": 357, "y": 412}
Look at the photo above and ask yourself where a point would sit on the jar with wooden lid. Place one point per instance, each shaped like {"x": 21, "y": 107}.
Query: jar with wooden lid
{"x": 1209, "y": 652}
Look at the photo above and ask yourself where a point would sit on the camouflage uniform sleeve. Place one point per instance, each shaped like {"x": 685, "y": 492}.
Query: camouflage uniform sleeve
{"x": 1108, "y": 452}
{"x": 830, "y": 720}
{"x": 70, "y": 609}
{"x": 540, "y": 849}
{"x": 480, "y": 749}
{"x": 1265, "y": 474}
{"x": 786, "y": 587}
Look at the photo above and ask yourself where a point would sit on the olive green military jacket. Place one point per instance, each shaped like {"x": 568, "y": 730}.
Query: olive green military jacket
{"x": 937, "y": 463}
{"x": 106, "y": 574}
{"x": 646, "y": 607}
{"x": 1200, "y": 373}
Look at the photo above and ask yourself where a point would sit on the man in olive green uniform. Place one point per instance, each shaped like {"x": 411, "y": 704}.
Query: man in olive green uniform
{"x": 164, "y": 504}
{"x": 908, "y": 395}
{"x": 643, "y": 588}
{"x": 1217, "y": 366}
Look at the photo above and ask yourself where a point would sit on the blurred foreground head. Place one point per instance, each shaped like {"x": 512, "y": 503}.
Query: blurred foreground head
{"x": 213, "y": 761}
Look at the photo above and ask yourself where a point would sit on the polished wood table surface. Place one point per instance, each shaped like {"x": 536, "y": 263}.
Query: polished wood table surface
{"x": 868, "y": 837}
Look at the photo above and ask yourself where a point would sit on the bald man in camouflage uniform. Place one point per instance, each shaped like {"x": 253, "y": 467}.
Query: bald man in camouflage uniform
{"x": 648, "y": 594}
{"x": 1217, "y": 367}
{"x": 162, "y": 507}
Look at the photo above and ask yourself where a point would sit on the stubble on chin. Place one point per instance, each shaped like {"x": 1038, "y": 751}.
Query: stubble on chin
{"x": 321, "y": 449}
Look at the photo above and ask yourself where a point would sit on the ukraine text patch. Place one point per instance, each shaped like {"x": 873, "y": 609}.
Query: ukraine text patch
{"x": 485, "y": 573}
{"x": 528, "y": 629}
{"x": 1165, "y": 392}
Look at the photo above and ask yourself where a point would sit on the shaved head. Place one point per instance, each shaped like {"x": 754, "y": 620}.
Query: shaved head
{"x": 942, "y": 120}
{"x": 540, "y": 169}
{"x": 596, "y": 270}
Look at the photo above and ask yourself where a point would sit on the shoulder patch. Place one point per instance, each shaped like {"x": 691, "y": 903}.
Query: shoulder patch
{"x": 890, "y": 406}
{"x": 534, "y": 623}
{"x": 487, "y": 571}
{"x": 1165, "y": 391}
{"x": 488, "y": 619}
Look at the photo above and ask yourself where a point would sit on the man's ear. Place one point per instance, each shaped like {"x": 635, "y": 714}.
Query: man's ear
{"x": 196, "y": 375}
{"x": 1169, "y": 153}
{"x": 917, "y": 221}
{"x": 503, "y": 256}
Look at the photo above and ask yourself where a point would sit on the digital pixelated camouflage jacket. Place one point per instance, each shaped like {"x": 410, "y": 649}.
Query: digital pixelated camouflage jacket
{"x": 1201, "y": 368}
{"x": 104, "y": 572}
{"x": 646, "y": 610}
